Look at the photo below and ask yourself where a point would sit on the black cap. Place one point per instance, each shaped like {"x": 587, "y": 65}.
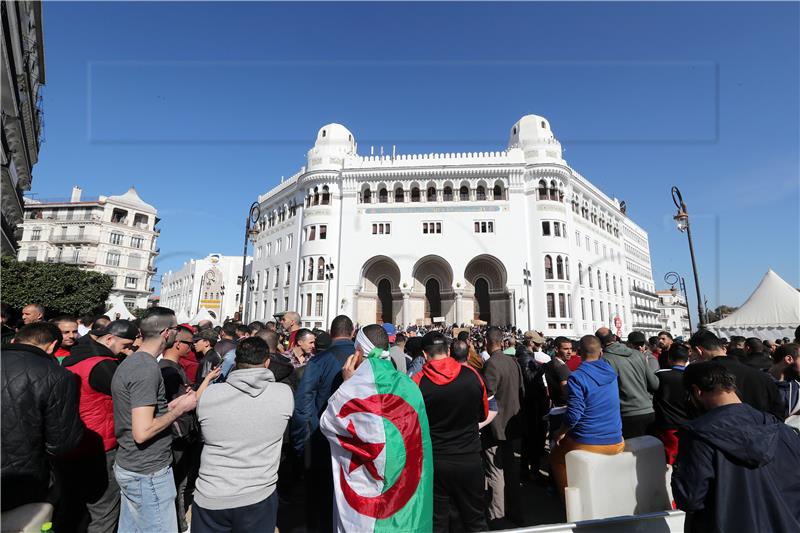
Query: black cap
{"x": 206, "y": 335}
{"x": 322, "y": 341}
{"x": 432, "y": 338}
{"x": 637, "y": 337}
{"x": 414, "y": 346}
{"x": 123, "y": 329}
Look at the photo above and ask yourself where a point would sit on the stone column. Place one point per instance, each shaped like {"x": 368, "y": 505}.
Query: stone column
{"x": 459, "y": 310}
{"x": 406, "y": 297}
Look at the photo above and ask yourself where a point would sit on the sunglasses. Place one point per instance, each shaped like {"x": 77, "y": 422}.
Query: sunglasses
{"x": 187, "y": 343}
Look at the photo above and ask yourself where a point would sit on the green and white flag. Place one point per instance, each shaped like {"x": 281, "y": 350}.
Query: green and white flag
{"x": 380, "y": 451}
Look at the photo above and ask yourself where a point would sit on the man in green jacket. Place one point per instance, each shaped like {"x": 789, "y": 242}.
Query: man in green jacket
{"x": 637, "y": 383}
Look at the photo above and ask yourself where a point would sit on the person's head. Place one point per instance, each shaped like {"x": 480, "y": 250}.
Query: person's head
{"x": 252, "y": 352}
{"x": 463, "y": 336}
{"x": 664, "y": 340}
{"x": 270, "y": 337}
{"x": 563, "y": 347}
{"x": 606, "y": 336}
{"x": 494, "y": 339}
{"x": 459, "y": 351}
{"x": 637, "y": 341}
{"x": 181, "y": 346}
{"x": 322, "y": 341}
{"x": 737, "y": 342}
{"x": 709, "y": 385}
{"x": 270, "y": 325}
{"x": 290, "y": 321}
{"x": 414, "y": 347}
{"x": 204, "y": 324}
{"x": 242, "y": 331}
{"x": 5, "y": 313}
{"x": 434, "y": 344}
{"x": 400, "y": 340}
{"x": 653, "y": 343}
{"x": 68, "y": 325}
{"x": 371, "y": 336}
{"x": 705, "y": 345}
{"x": 590, "y": 348}
{"x": 158, "y": 326}
{"x": 753, "y": 346}
{"x": 42, "y": 335}
{"x": 255, "y": 327}
{"x": 533, "y": 340}
{"x": 32, "y": 313}
{"x": 204, "y": 340}
{"x": 118, "y": 336}
{"x": 678, "y": 354}
{"x": 797, "y": 335}
{"x": 304, "y": 340}
{"x": 789, "y": 355}
{"x": 341, "y": 327}
{"x": 228, "y": 331}
{"x": 769, "y": 347}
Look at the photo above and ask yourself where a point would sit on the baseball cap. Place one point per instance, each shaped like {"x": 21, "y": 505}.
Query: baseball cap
{"x": 391, "y": 331}
{"x": 637, "y": 337}
{"x": 432, "y": 338}
{"x": 124, "y": 329}
{"x": 534, "y": 336}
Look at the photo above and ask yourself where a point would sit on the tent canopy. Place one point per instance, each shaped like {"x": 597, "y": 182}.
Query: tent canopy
{"x": 120, "y": 309}
{"x": 771, "y": 312}
{"x": 203, "y": 314}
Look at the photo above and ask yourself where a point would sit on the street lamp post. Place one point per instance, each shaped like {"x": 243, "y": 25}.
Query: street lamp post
{"x": 328, "y": 279}
{"x": 526, "y": 277}
{"x": 252, "y": 217}
{"x": 682, "y": 221}
{"x": 673, "y": 278}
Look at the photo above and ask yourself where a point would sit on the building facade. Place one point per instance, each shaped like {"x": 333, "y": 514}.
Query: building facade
{"x": 510, "y": 237}
{"x": 115, "y": 235}
{"x": 22, "y": 123}
{"x": 673, "y": 313}
{"x": 210, "y": 283}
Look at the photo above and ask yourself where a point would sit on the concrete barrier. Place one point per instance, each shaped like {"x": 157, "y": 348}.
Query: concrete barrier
{"x": 664, "y": 522}
{"x": 633, "y": 482}
{"x": 26, "y": 518}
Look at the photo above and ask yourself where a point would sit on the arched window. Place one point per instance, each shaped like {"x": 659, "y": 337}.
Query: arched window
{"x": 415, "y": 194}
{"x": 326, "y": 195}
{"x": 316, "y": 195}
{"x": 542, "y": 190}
{"x": 383, "y": 196}
{"x": 366, "y": 196}
{"x": 548, "y": 267}
{"x": 599, "y": 282}
{"x": 448, "y": 194}
{"x": 310, "y": 276}
{"x": 463, "y": 193}
{"x": 399, "y": 195}
{"x": 608, "y": 285}
{"x": 431, "y": 196}
{"x": 589, "y": 274}
{"x": 497, "y": 192}
{"x": 615, "y": 284}
{"x": 553, "y": 190}
{"x": 551, "y": 305}
{"x": 480, "y": 192}
{"x": 566, "y": 267}
{"x": 320, "y": 269}
{"x": 580, "y": 274}
{"x": 559, "y": 267}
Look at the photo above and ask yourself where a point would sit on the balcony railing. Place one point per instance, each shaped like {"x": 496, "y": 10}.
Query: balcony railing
{"x": 74, "y": 238}
{"x": 646, "y": 325}
{"x": 71, "y": 260}
{"x": 639, "y": 290}
{"x": 646, "y": 309}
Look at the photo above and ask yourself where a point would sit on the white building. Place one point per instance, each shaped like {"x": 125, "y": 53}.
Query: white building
{"x": 211, "y": 283}
{"x": 115, "y": 235}
{"x": 515, "y": 236}
{"x": 673, "y": 313}
{"x": 22, "y": 124}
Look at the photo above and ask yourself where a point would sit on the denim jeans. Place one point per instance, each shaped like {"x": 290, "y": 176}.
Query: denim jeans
{"x": 148, "y": 501}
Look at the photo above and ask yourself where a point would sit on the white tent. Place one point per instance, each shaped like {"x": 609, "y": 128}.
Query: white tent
{"x": 121, "y": 310}
{"x": 203, "y": 314}
{"x": 182, "y": 317}
{"x": 771, "y": 312}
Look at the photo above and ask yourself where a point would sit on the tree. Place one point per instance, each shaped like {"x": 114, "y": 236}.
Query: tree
{"x": 720, "y": 312}
{"x": 59, "y": 288}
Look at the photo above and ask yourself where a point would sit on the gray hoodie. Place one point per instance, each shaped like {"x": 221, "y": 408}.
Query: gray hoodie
{"x": 637, "y": 381}
{"x": 243, "y": 421}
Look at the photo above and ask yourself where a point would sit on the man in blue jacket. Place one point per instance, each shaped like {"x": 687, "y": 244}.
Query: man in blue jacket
{"x": 738, "y": 469}
{"x": 592, "y": 422}
{"x": 321, "y": 378}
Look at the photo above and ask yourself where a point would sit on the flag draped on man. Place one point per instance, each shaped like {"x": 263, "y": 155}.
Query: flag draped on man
{"x": 380, "y": 451}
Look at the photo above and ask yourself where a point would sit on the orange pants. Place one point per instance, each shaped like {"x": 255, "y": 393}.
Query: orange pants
{"x": 558, "y": 461}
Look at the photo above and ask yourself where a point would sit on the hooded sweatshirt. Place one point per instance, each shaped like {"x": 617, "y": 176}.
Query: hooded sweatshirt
{"x": 243, "y": 421}
{"x": 593, "y": 406}
{"x": 455, "y": 400}
{"x": 738, "y": 469}
{"x": 637, "y": 381}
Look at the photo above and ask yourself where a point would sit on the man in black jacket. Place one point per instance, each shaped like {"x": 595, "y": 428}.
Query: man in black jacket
{"x": 39, "y": 413}
{"x": 756, "y": 355}
{"x": 669, "y": 401}
{"x": 738, "y": 469}
{"x": 205, "y": 342}
{"x": 754, "y": 387}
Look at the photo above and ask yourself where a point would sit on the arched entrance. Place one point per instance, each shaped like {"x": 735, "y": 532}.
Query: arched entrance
{"x": 384, "y": 308}
{"x": 432, "y": 295}
{"x": 433, "y": 299}
{"x": 483, "y": 310}
{"x": 486, "y": 296}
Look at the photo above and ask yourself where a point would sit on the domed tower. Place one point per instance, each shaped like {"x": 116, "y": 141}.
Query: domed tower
{"x": 333, "y": 145}
{"x": 532, "y": 134}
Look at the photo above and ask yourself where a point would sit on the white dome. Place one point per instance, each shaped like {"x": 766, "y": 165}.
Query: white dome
{"x": 533, "y": 135}
{"x": 132, "y": 199}
{"x": 334, "y": 144}
{"x": 336, "y": 135}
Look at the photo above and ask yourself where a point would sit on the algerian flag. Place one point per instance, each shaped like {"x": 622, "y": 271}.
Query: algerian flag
{"x": 380, "y": 451}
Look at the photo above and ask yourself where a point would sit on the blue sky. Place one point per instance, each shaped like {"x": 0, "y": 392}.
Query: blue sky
{"x": 205, "y": 105}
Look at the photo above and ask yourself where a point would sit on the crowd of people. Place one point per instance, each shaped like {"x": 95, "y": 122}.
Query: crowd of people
{"x": 151, "y": 425}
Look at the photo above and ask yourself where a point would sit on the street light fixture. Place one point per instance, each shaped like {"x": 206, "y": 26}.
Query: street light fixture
{"x": 682, "y": 221}
{"x": 252, "y": 217}
{"x": 526, "y": 279}
{"x": 673, "y": 278}
{"x": 328, "y": 278}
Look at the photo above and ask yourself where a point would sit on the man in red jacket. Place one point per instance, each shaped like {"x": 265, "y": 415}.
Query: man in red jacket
{"x": 87, "y": 476}
{"x": 69, "y": 335}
